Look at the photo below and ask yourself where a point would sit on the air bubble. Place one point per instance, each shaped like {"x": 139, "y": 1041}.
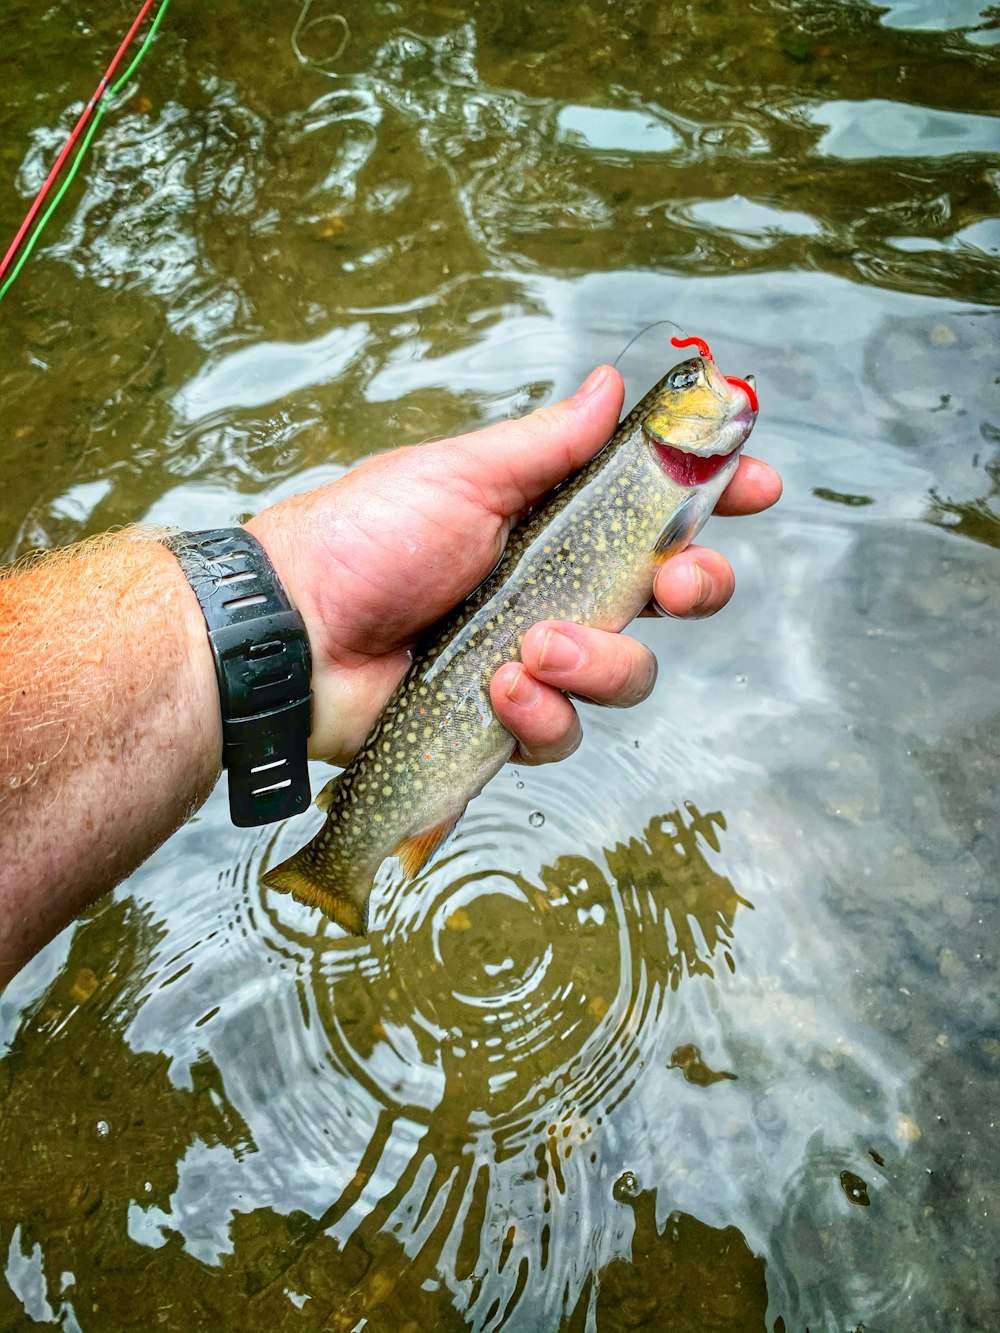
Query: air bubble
{"x": 536, "y": 819}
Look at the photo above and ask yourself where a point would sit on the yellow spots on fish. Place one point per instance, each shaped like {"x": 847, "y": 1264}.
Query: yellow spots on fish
{"x": 411, "y": 737}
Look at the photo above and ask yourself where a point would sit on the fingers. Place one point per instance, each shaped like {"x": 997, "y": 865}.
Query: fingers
{"x": 698, "y": 582}
{"x": 755, "y": 486}
{"x": 558, "y": 656}
{"x": 606, "y": 668}
{"x": 542, "y": 719}
{"x": 694, "y": 583}
{"x": 515, "y": 462}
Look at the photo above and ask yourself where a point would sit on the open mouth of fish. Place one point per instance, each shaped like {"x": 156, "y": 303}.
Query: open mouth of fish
{"x": 689, "y": 469}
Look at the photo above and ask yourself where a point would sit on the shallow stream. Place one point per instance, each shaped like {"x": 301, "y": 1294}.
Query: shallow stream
{"x": 701, "y": 1029}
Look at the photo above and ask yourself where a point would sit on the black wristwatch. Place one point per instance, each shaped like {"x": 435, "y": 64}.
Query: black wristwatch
{"x": 263, "y": 666}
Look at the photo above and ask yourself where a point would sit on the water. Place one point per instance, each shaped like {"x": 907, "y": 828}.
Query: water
{"x": 700, "y": 1030}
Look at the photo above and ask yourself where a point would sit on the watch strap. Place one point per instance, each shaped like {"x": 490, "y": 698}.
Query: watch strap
{"x": 263, "y": 667}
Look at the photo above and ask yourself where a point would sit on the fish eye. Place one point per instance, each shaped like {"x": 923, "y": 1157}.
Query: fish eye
{"x": 684, "y": 377}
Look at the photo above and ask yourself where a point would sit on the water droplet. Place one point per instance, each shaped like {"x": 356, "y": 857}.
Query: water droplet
{"x": 520, "y": 785}
{"x": 626, "y": 1187}
{"x": 103, "y": 1129}
{"x": 741, "y": 680}
{"x": 536, "y": 819}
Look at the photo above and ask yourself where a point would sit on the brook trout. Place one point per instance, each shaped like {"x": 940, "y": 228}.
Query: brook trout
{"x": 588, "y": 554}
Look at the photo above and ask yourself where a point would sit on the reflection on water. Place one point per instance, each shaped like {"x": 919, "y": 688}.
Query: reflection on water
{"x": 571, "y": 1081}
{"x": 461, "y": 1101}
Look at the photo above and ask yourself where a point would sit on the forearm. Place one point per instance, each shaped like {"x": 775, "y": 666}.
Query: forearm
{"x": 109, "y": 727}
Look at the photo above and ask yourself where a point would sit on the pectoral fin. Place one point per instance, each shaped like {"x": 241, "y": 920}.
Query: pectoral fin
{"x": 678, "y": 532}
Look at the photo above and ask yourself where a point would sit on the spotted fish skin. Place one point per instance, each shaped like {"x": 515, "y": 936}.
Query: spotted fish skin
{"x": 589, "y": 554}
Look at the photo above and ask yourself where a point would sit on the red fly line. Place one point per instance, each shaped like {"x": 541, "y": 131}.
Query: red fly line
{"x": 74, "y": 136}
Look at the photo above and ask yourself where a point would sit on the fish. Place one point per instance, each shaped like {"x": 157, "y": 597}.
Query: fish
{"x": 589, "y": 553}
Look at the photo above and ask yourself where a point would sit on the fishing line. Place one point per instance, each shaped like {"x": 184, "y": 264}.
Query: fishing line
{"x": 96, "y": 106}
{"x": 304, "y": 24}
{"x": 704, "y": 350}
{"x": 642, "y": 332}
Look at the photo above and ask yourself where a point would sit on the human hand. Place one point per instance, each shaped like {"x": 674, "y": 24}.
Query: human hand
{"x": 373, "y": 559}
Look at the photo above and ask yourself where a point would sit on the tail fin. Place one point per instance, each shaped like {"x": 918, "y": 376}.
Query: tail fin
{"x": 343, "y": 899}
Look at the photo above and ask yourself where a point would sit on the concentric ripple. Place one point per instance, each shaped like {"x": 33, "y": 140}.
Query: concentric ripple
{"x": 519, "y": 997}
{"x": 822, "y": 1198}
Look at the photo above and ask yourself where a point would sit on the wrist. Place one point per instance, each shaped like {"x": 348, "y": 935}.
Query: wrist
{"x": 200, "y": 732}
{"x": 324, "y": 737}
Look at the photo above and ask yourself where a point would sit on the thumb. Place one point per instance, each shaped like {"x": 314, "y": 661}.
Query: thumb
{"x": 513, "y": 463}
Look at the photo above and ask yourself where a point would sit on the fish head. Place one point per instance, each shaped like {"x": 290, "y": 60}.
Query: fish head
{"x": 699, "y": 417}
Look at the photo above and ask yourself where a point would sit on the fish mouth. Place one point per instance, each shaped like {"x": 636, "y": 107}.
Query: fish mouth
{"x": 722, "y": 427}
{"x": 691, "y": 469}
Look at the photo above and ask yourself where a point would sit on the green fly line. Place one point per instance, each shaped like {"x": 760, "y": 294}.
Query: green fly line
{"x": 71, "y": 174}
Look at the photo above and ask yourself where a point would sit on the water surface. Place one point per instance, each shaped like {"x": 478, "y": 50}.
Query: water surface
{"x": 701, "y": 1030}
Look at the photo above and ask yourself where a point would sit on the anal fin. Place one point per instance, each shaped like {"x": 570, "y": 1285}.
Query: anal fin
{"x": 415, "y": 851}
